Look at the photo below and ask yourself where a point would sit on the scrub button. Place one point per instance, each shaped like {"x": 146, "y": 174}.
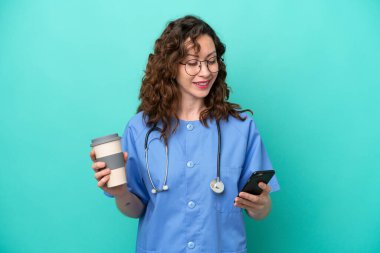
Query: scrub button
{"x": 191, "y": 245}
{"x": 190, "y": 127}
{"x": 191, "y": 204}
{"x": 190, "y": 164}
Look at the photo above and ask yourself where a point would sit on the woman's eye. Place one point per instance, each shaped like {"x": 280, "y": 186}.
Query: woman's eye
{"x": 192, "y": 63}
{"x": 212, "y": 60}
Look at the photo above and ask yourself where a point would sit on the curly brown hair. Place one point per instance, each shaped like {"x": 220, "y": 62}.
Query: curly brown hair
{"x": 159, "y": 93}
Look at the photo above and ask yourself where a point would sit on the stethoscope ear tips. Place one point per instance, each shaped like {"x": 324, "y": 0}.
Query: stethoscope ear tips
{"x": 164, "y": 188}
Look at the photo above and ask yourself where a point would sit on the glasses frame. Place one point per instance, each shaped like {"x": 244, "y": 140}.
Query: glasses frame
{"x": 200, "y": 65}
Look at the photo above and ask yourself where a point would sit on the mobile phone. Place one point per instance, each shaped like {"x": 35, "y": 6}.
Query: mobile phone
{"x": 252, "y": 186}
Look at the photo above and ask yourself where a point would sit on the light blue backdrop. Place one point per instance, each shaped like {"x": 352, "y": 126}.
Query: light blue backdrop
{"x": 71, "y": 71}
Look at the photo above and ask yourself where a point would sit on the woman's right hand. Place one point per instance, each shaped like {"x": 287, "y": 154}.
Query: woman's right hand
{"x": 102, "y": 175}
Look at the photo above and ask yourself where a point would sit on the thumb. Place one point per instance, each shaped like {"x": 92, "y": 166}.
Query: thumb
{"x": 125, "y": 156}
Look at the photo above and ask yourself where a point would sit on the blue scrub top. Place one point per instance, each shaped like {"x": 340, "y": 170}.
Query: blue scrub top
{"x": 190, "y": 217}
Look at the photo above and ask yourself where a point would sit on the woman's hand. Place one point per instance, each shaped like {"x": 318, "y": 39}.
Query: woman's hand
{"x": 102, "y": 175}
{"x": 257, "y": 206}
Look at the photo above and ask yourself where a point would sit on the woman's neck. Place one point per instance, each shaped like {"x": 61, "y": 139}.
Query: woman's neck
{"x": 190, "y": 110}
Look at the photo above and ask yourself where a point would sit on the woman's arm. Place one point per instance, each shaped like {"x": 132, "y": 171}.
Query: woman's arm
{"x": 129, "y": 204}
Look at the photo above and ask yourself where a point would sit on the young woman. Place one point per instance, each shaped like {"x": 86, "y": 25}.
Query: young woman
{"x": 189, "y": 151}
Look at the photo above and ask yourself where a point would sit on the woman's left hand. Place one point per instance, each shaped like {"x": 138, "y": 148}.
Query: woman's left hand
{"x": 257, "y": 206}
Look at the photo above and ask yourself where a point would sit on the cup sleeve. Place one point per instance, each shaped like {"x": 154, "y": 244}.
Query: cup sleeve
{"x": 256, "y": 158}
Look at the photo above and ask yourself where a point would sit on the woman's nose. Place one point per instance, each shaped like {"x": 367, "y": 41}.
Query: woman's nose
{"x": 204, "y": 69}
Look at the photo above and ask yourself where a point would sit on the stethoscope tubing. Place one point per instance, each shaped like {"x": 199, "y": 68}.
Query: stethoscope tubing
{"x": 219, "y": 147}
{"x": 215, "y": 183}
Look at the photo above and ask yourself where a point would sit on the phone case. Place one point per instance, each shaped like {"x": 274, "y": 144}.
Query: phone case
{"x": 252, "y": 186}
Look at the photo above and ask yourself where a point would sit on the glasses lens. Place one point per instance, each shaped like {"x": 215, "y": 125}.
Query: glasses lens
{"x": 192, "y": 67}
{"x": 213, "y": 65}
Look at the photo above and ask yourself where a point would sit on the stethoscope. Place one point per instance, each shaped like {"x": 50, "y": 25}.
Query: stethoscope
{"x": 216, "y": 184}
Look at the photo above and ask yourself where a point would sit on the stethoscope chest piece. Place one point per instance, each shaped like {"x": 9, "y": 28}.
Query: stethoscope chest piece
{"x": 217, "y": 186}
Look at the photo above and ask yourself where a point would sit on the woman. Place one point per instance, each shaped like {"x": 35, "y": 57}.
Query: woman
{"x": 184, "y": 101}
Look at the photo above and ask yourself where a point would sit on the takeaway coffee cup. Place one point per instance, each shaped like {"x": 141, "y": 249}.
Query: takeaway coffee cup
{"x": 108, "y": 149}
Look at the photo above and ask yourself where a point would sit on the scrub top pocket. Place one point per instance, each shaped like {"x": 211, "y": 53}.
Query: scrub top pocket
{"x": 224, "y": 202}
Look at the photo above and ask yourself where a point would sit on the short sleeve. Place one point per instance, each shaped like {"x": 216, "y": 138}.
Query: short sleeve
{"x": 256, "y": 158}
{"x": 135, "y": 183}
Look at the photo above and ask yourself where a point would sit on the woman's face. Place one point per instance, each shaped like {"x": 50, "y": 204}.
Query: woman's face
{"x": 198, "y": 86}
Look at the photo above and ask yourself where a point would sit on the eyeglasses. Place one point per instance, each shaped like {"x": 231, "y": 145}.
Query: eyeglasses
{"x": 193, "y": 67}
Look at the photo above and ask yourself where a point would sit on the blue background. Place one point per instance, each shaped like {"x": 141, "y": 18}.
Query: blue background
{"x": 71, "y": 71}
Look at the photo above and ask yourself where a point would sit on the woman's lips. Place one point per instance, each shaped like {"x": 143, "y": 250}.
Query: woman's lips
{"x": 202, "y": 85}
